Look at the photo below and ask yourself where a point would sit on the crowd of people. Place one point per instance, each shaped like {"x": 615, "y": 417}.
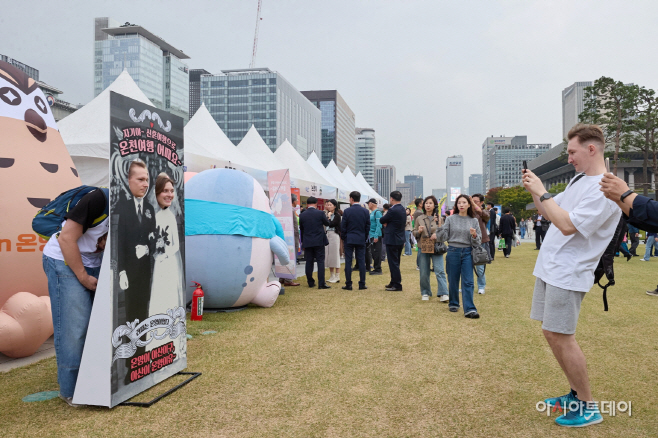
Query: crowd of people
{"x": 572, "y": 231}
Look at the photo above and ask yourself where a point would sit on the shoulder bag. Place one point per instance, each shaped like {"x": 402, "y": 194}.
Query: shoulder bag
{"x": 440, "y": 248}
{"x": 479, "y": 254}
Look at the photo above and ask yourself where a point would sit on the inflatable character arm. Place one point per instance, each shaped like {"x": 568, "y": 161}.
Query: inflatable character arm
{"x": 280, "y": 248}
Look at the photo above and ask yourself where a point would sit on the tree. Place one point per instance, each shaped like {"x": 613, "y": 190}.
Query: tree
{"x": 610, "y": 104}
{"x": 642, "y": 130}
{"x": 516, "y": 198}
{"x": 557, "y": 188}
{"x": 492, "y": 195}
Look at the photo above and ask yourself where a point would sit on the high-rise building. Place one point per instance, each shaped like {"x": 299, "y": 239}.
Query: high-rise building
{"x": 31, "y": 71}
{"x": 261, "y": 97}
{"x": 155, "y": 65}
{"x": 417, "y": 185}
{"x": 338, "y": 124}
{"x": 438, "y": 193}
{"x": 365, "y": 154}
{"x": 195, "y": 89}
{"x": 406, "y": 189}
{"x": 573, "y": 103}
{"x": 455, "y": 176}
{"x": 505, "y": 159}
{"x": 385, "y": 181}
{"x": 475, "y": 184}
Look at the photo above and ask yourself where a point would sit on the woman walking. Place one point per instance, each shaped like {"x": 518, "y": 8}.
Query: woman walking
{"x": 425, "y": 227}
{"x": 407, "y": 234}
{"x": 462, "y": 231}
{"x": 332, "y": 251}
{"x": 522, "y": 225}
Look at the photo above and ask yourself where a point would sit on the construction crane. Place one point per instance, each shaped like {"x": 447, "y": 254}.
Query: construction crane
{"x": 253, "y": 53}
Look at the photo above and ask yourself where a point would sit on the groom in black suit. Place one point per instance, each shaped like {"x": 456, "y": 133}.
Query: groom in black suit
{"x": 135, "y": 239}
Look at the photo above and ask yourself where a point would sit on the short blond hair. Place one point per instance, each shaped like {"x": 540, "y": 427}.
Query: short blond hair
{"x": 136, "y": 162}
{"x": 588, "y": 134}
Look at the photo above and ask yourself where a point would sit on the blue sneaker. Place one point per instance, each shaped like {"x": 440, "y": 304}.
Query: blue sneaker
{"x": 563, "y": 400}
{"x": 581, "y": 417}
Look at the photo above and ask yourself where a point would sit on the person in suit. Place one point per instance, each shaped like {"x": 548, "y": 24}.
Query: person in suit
{"x": 507, "y": 230}
{"x": 314, "y": 238}
{"x": 394, "y": 221}
{"x": 493, "y": 230}
{"x": 354, "y": 230}
{"x": 136, "y": 240}
{"x": 136, "y": 245}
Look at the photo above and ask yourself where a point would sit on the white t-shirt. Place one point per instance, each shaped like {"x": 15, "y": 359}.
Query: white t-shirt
{"x": 568, "y": 262}
{"x": 91, "y": 258}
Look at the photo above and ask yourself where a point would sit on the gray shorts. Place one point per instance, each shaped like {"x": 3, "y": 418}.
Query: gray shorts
{"x": 557, "y": 308}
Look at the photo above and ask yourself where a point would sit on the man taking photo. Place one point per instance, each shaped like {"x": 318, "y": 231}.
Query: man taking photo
{"x": 584, "y": 222}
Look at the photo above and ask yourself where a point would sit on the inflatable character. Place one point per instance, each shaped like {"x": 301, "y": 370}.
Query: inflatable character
{"x": 35, "y": 167}
{"x": 230, "y": 237}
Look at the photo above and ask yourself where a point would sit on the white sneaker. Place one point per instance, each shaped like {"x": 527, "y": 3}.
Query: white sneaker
{"x": 444, "y": 299}
{"x": 426, "y": 298}
{"x": 417, "y": 268}
{"x": 481, "y": 291}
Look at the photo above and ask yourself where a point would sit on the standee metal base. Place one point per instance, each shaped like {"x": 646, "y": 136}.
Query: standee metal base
{"x": 161, "y": 396}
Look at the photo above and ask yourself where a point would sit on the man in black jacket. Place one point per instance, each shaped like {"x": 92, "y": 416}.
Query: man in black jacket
{"x": 314, "y": 239}
{"x": 493, "y": 230}
{"x": 638, "y": 210}
{"x": 354, "y": 229}
{"x": 507, "y": 230}
{"x": 394, "y": 221}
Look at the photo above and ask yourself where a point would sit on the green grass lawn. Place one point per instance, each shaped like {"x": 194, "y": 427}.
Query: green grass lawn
{"x": 381, "y": 364}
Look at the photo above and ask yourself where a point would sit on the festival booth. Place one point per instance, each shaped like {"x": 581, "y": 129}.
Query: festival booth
{"x": 337, "y": 176}
{"x": 260, "y": 155}
{"x": 342, "y": 193}
{"x": 302, "y": 175}
{"x": 86, "y": 132}
{"x": 367, "y": 189}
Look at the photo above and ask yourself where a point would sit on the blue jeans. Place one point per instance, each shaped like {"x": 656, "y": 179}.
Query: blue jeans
{"x": 460, "y": 267}
{"x": 651, "y": 243}
{"x": 522, "y": 233}
{"x": 480, "y": 269}
{"x": 439, "y": 271}
{"x": 70, "y": 304}
{"x": 407, "y": 242}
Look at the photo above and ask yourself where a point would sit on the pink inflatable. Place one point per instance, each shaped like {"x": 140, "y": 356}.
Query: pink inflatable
{"x": 188, "y": 175}
{"x": 35, "y": 167}
{"x": 25, "y": 323}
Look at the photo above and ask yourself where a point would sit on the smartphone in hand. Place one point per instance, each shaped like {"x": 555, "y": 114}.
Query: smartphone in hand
{"x": 607, "y": 165}
{"x": 525, "y": 166}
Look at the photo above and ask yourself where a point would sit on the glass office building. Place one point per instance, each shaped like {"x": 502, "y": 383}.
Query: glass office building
{"x": 195, "y": 89}
{"x": 338, "y": 127}
{"x": 506, "y": 160}
{"x": 238, "y": 99}
{"x": 155, "y": 66}
{"x": 385, "y": 181}
{"x": 416, "y": 182}
{"x": 475, "y": 184}
{"x": 365, "y": 154}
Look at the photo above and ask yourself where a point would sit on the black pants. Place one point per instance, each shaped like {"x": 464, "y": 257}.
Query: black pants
{"x": 312, "y": 255}
{"x": 374, "y": 255}
{"x": 492, "y": 246}
{"x": 394, "y": 252}
{"x": 539, "y": 237}
{"x": 635, "y": 241}
{"x": 360, "y": 251}
{"x": 508, "y": 245}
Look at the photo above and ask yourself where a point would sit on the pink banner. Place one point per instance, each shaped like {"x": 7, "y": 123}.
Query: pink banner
{"x": 278, "y": 182}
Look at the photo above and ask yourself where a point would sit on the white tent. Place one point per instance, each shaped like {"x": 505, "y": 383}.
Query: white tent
{"x": 343, "y": 193}
{"x": 302, "y": 175}
{"x": 206, "y": 145}
{"x": 366, "y": 187}
{"x": 259, "y": 154}
{"x": 349, "y": 176}
{"x": 335, "y": 173}
{"x": 86, "y": 132}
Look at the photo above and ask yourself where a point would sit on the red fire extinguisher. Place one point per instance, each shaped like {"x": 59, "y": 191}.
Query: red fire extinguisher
{"x": 197, "y": 303}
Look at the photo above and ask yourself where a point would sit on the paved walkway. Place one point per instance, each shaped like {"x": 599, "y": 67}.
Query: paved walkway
{"x": 45, "y": 351}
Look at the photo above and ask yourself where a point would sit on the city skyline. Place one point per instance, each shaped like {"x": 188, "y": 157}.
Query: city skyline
{"x": 326, "y": 59}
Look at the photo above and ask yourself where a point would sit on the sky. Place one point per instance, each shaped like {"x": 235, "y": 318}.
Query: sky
{"x": 433, "y": 78}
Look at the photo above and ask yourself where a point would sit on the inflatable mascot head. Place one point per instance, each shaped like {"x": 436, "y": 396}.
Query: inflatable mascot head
{"x": 230, "y": 237}
{"x": 35, "y": 167}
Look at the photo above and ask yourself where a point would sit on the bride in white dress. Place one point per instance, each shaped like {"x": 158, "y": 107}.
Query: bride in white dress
{"x": 166, "y": 286}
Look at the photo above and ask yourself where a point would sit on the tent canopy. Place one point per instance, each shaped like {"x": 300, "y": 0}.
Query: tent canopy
{"x": 302, "y": 173}
{"x": 316, "y": 164}
{"x": 260, "y": 155}
{"x": 86, "y": 132}
{"x": 336, "y": 174}
{"x": 204, "y": 138}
